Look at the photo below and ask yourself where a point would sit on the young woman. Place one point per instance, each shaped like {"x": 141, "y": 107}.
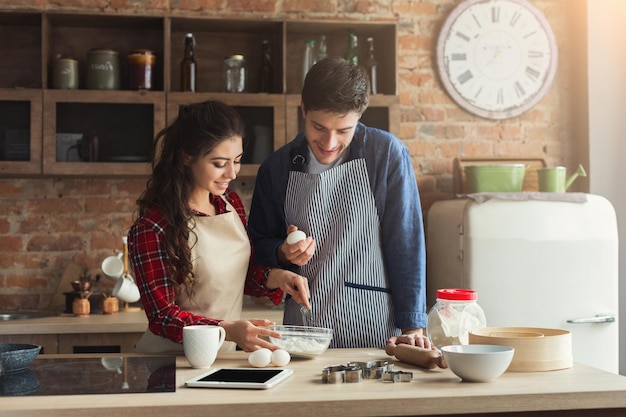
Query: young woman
{"x": 189, "y": 247}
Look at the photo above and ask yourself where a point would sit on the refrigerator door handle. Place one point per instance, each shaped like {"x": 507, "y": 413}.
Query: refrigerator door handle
{"x": 600, "y": 318}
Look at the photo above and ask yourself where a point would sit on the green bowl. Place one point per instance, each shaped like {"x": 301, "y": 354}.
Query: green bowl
{"x": 504, "y": 178}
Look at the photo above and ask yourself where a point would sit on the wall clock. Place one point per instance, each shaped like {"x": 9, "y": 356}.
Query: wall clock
{"x": 496, "y": 58}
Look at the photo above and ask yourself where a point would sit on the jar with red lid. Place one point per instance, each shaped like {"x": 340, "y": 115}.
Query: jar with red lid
{"x": 455, "y": 313}
{"x": 141, "y": 66}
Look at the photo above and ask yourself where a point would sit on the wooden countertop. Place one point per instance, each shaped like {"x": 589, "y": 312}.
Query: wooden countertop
{"x": 432, "y": 392}
{"x": 122, "y": 322}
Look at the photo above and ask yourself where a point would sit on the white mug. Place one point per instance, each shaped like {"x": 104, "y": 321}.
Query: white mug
{"x": 201, "y": 343}
{"x": 126, "y": 290}
{"x": 113, "y": 266}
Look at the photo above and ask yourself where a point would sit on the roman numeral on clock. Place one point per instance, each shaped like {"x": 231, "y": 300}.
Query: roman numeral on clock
{"x": 515, "y": 18}
{"x": 463, "y": 36}
{"x": 532, "y": 73}
{"x": 495, "y": 14}
{"x": 465, "y": 77}
{"x": 519, "y": 89}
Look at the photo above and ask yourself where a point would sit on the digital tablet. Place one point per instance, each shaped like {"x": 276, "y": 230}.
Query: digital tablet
{"x": 253, "y": 378}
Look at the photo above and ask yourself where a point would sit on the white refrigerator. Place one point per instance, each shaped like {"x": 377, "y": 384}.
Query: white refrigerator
{"x": 533, "y": 263}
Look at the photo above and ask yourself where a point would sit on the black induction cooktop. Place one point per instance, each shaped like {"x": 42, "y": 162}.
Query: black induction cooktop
{"x": 108, "y": 374}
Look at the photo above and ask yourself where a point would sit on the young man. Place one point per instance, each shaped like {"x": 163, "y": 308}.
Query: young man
{"x": 352, "y": 190}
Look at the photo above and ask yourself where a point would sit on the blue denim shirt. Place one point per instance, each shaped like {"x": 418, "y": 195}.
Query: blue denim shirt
{"x": 394, "y": 187}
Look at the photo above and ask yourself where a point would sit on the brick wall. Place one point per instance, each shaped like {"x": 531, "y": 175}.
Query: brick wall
{"x": 45, "y": 223}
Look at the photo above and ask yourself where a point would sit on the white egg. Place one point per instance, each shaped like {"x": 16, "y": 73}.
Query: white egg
{"x": 280, "y": 357}
{"x": 260, "y": 358}
{"x": 295, "y": 237}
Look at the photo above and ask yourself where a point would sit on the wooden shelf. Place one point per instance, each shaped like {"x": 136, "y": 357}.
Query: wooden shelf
{"x": 126, "y": 122}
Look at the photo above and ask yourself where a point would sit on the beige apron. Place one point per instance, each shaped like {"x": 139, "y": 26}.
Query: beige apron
{"x": 220, "y": 259}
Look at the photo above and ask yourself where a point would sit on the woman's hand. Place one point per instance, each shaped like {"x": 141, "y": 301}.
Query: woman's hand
{"x": 291, "y": 283}
{"x": 413, "y": 337}
{"x": 299, "y": 253}
{"x": 246, "y": 333}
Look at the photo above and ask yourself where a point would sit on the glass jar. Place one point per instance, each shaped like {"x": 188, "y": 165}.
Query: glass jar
{"x": 234, "y": 74}
{"x": 141, "y": 65}
{"x": 453, "y": 316}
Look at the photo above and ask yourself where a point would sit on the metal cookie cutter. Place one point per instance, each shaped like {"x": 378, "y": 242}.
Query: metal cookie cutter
{"x": 373, "y": 369}
{"x": 339, "y": 374}
{"x": 397, "y": 376}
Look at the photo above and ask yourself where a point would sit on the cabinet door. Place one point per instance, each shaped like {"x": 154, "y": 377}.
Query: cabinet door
{"x": 263, "y": 114}
{"x": 20, "y": 131}
{"x": 217, "y": 39}
{"x": 20, "y": 94}
{"x": 49, "y": 342}
{"x": 124, "y": 123}
{"x": 98, "y": 342}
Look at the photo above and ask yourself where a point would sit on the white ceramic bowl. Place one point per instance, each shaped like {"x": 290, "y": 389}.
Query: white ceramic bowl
{"x": 302, "y": 341}
{"x": 478, "y": 363}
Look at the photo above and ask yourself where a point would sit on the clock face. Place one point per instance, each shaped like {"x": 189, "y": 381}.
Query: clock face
{"x": 496, "y": 58}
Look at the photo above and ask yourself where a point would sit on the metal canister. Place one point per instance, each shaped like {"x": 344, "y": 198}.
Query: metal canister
{"x": 141, "y": 65}
{"x": 65, "y": 74}
{"x": 103, "y": 69}
{"x": 234, "y": 74}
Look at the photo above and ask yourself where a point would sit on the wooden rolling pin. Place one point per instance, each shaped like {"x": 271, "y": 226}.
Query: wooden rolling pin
{"x": 425, "y": 358}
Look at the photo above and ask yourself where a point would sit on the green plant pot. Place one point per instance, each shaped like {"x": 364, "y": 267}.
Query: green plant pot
{"x": 505, "y": 178}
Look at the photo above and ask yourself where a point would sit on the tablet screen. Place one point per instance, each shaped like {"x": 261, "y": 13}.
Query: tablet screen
{"x": 240, "y": 378}
{"x": 257, "y": 376}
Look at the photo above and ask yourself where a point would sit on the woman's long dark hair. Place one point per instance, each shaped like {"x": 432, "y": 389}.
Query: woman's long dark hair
{"x": 197, "y": 130}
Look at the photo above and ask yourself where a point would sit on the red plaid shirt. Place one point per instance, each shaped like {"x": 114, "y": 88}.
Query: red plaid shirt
{"x": 149, "y": 259}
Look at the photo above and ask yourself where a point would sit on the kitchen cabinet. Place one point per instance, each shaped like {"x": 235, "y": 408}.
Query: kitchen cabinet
{"x": 97, "y": 333}
{"x": 79, "y": 342}
{"x": 49, "y": 342}
{"x": 39, "y": 125}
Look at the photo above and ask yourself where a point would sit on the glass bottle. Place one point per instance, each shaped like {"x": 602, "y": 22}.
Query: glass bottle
{"x": 234, "y": 74}
{"x": 352, "y": 55}
{"x": 321, "y": 48}
{"x": 309, "y": 57}
{"x": 188, "y": 65}
{"x": 372, "y": 67}
{"x": 266, "y": 70}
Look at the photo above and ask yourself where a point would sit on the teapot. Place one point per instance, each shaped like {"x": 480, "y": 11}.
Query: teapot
{"x": 553, "y": 180}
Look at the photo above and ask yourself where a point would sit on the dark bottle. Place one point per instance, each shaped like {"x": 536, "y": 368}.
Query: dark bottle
{"x": 352, "y": 55}
{"x": 188, "y": 65}
{"x": 372, "y": 67}
{"x": 266, "y": 70}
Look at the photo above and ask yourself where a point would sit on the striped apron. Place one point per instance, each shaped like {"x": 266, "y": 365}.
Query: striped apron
{"x": 349, "y": 289}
